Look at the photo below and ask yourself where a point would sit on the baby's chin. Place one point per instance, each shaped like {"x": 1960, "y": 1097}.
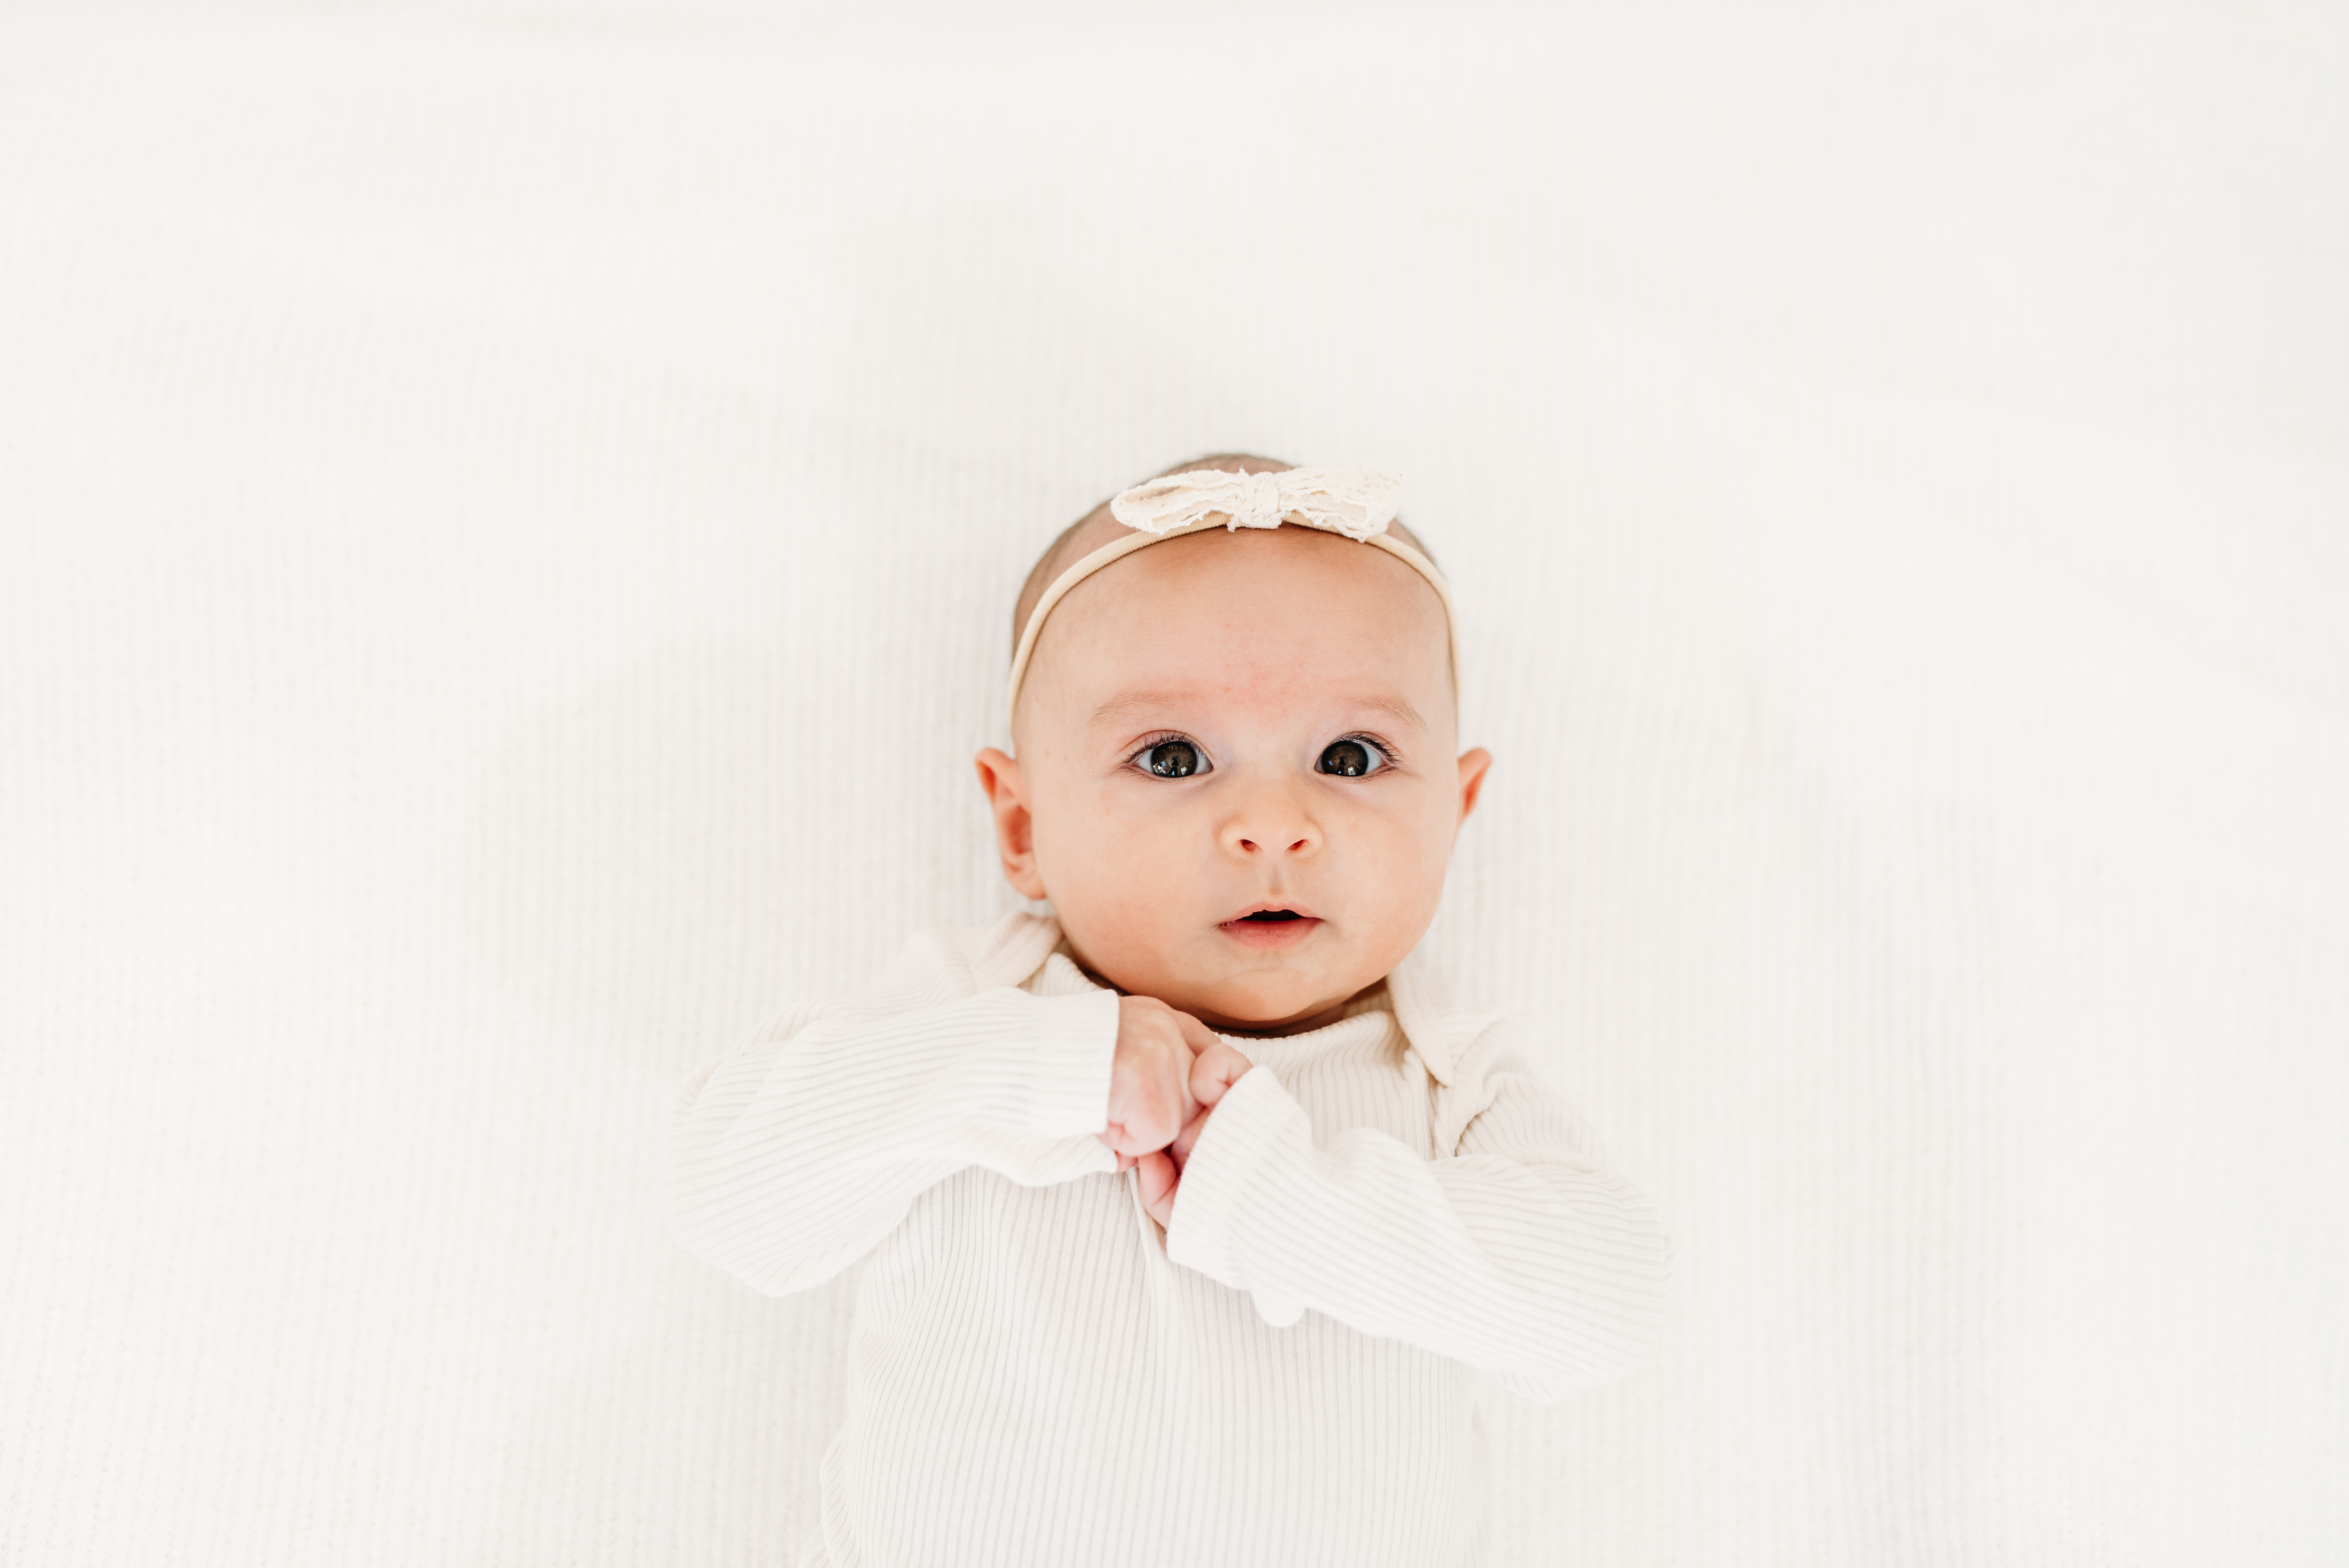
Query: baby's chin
{"x": 1266, "y": 994}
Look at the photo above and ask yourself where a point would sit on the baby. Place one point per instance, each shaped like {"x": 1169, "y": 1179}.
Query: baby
{"x": 1194, "y": 1217}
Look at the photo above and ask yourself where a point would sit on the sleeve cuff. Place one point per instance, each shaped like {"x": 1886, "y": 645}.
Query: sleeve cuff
{"x": 1247, "y": 1132}
{"x": 1074, "y": 1049}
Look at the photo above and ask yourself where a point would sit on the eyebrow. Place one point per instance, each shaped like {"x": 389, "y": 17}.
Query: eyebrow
{"x": 1133, "y": 702}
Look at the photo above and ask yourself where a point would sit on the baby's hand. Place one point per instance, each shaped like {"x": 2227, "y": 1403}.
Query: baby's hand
{"x": 1214, "y": 1070}
{"x": 1150, "y": 1098}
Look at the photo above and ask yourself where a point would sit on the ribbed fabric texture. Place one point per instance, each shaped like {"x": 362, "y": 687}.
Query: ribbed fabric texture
{"x": 1290, "y": 1373}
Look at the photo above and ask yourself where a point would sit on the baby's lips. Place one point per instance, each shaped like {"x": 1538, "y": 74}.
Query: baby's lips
{"x": 1273, "y": 906}
{"x": 1271, "y": 935}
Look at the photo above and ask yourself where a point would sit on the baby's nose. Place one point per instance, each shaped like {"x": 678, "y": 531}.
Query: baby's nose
{"x": 1252, "y": 847}
{"x": 1272, "y": 826}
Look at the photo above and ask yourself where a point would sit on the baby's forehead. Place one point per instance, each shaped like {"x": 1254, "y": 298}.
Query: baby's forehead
{"x": 1289, "y": 621}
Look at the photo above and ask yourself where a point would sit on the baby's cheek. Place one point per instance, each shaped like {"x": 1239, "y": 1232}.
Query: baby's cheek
{"x": 1413, "y": 850}
{"x": 1073, "y": 832}
{"x": 1109, "y": 880}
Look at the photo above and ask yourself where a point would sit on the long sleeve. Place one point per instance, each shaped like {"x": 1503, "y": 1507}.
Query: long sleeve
{"x": 1518, "y": 1253}
{"x": 793, "y": 1157}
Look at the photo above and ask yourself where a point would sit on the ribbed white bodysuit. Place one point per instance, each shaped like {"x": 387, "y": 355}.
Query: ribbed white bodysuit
{"x": 1379, "y": 1215}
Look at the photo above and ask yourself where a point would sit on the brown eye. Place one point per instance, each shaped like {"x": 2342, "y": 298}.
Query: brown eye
{"x": 1174, "y": 760}
{"x": 1350, "y": 759}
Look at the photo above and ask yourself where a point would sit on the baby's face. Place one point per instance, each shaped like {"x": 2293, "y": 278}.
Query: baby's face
{"x": 1236, "y": 780}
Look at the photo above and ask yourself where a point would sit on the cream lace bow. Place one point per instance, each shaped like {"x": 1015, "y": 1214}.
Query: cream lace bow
{"x": 1356, "y": 502}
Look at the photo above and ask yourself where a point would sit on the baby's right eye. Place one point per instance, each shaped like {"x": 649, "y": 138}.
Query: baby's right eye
{"x": 1171, "y": 759}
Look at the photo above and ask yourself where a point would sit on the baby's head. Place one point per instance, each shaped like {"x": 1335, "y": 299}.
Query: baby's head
{"x": 1237, "y": 779}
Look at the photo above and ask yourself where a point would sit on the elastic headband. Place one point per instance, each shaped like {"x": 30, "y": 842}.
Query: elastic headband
{"x": 1355, "y": 502}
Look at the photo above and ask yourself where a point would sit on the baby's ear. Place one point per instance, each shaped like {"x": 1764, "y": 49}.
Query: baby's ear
{"x": 1015, "y": 837}
{"x": 1472, "y": 768}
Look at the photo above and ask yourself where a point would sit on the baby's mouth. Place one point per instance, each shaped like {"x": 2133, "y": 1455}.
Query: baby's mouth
{"x": 1271, "y": 928}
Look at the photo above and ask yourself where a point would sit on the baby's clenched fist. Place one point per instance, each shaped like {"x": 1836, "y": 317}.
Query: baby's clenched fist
{"x": 1216, "y": 1068}
{"x": 1150, "y": 1096}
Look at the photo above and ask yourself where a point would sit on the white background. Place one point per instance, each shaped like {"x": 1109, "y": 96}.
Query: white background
{"x": 508, "y": 519}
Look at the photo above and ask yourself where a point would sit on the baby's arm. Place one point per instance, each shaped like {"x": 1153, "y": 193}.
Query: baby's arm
{"x": 1518, "y": 1254}
{"x": 792, "y": 1157}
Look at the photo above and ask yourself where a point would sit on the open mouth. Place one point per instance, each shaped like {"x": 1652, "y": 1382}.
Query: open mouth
{"x": 1271, "y": 928}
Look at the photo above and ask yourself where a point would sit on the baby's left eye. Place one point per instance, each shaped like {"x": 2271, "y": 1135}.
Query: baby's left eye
{"x": 1350, "y": 759}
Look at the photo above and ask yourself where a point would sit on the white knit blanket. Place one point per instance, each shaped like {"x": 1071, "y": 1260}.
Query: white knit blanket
{"x": 509, "y": 517}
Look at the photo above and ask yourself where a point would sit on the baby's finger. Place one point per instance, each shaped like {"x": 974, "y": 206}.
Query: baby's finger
{"x": 1137, "y": 1110}
{"x": 1215, "y": 1071}
{"x": 1196, "y": 1035}
{"x": 1180, "y": 1149}
{"x": 1152, "y": 1123}
{"x": 1131, "y": 1141}
{"x": 1184, "y": 1106}
{"x": 1170, "y": 1103}
{"x": 1156, "y": 1176}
